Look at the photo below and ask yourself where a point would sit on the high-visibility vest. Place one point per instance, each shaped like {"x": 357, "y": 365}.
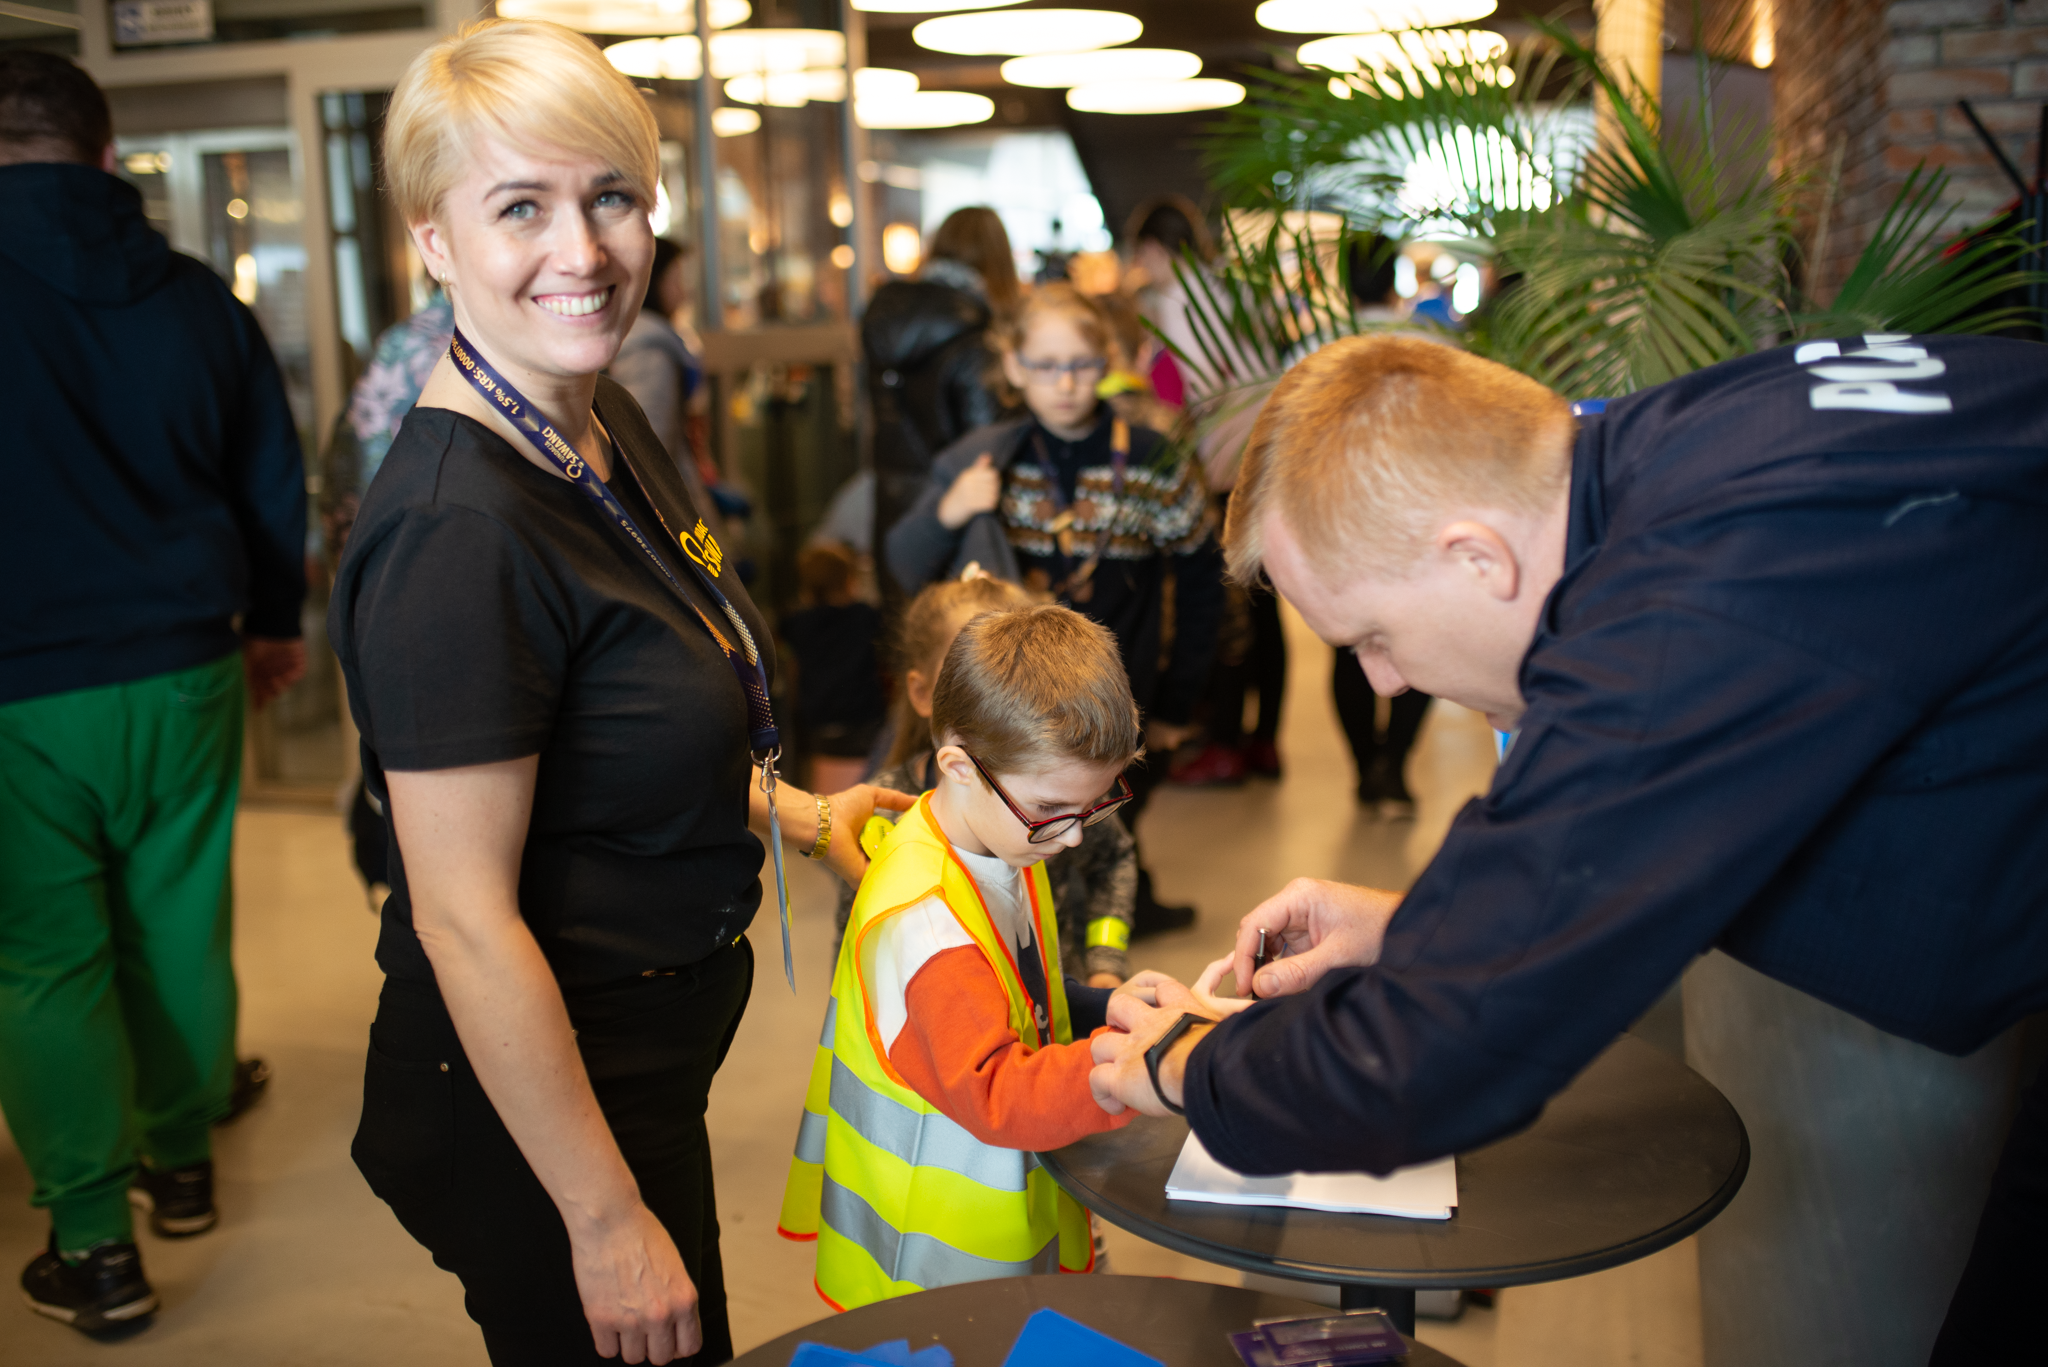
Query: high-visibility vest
{"x": 899, "y": 1197}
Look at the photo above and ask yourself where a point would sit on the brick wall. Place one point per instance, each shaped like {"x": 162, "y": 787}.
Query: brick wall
{"x": 1879, "y": 81}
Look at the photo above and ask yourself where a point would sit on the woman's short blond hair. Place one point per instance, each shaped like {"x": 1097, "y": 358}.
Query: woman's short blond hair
{"x": 1364, "y": 443}
{"x": 534, "y": 84}
{"x": 1023, "y": 688}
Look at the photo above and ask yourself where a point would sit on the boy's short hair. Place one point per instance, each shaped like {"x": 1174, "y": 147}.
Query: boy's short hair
{"x": 1362, "y": 443}
{"x": 1036, "y": 685}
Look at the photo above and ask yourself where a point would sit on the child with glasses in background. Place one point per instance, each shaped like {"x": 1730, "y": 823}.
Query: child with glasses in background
{"x": 1095, "y": 883}
{"x": 952, "y": 1049}
{"x": 1077, "y": 500}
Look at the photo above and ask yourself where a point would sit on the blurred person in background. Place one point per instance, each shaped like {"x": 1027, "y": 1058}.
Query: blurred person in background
{"x": 1164, "y": 232}
{"x": 155, "y": 539}
{"x": 834, "y": 636}
{"x": 662, "y": 370}
{"x": 405, "y": 354}
{"x": 1107, "y": 515}
{"x": 1169, "y": 238}
{"x": 1380, "y": 755}
{"x": 931, "y": 372}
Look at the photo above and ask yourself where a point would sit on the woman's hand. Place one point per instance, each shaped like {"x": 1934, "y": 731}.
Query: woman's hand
{"x": 974, "y": 491}
{"x": 636, "y": 1293}
{"x": 850, "y": 812}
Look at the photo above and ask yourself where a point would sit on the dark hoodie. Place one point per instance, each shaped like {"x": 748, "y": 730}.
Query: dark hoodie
{"x": 929, "y": 366}
{"x": 154, "y": 483}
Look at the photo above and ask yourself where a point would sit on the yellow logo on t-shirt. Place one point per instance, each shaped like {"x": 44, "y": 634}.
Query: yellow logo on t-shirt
{"x": 702, "y": 547}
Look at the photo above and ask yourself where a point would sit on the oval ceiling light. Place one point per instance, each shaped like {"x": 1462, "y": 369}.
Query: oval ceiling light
{"x": 674, "y": 59}
{"x": 1386, "y": 51}
{"x": 627, "y": 16}
{"x": 1055, "y": 69}
{"x": 788, "y": 89}
{"x": 1369, "y": 16}
{"x": 746, "y": 50}
{"x": 740, "y": 53}
{"x": 926, "y": 6}
{"x": 1026, "y": 33}
{"x": 1154, "y": 97}
{"x": 924, "y": 109}
{"x": 882, "y": 82}
{"x": 731, "y": 121}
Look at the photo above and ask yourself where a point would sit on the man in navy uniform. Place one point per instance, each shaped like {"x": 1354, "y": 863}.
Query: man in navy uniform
{"x": 1773, "y": 642}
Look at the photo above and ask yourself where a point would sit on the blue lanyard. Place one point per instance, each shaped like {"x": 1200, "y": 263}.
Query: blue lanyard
{"x": 697, "y": 547}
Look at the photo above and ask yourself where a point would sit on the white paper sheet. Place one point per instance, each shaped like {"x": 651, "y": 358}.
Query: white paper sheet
{"x": 1428, "y": 1191}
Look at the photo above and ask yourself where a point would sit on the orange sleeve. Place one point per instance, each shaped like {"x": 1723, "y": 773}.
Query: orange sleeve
{"x": 957, "y": 1051}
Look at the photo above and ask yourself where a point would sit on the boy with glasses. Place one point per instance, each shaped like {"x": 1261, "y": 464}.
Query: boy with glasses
{"x": 952, "y": 1049}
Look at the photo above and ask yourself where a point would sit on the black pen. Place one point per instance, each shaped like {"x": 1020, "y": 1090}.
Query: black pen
{"x": 1259, "y": 961}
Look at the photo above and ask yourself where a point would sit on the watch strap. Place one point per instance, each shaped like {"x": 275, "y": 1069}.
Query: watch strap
{"x": 1158, "y": 1051}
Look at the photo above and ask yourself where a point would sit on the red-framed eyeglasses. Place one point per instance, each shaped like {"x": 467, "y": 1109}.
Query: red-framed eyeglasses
{"x": 1053, "y": 827}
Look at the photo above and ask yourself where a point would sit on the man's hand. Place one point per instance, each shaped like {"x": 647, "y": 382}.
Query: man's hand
{"x": 272, "y": 667}
{"x": 850, "y": 812}
{"x": 974, "y": 491}
{"x": 1318, "y": 925}
{"x": 1119, "y": 1075}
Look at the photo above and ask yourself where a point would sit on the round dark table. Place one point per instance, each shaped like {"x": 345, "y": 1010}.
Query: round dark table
{"x": 1183, "y": 1324}
{"x": 1638, "y": 1152}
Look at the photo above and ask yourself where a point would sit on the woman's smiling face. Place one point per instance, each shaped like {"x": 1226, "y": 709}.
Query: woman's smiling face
{"x": 546, "y": 254}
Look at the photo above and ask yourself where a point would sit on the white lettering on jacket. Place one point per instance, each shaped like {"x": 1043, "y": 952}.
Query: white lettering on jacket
{"x": 1868, "y": 379}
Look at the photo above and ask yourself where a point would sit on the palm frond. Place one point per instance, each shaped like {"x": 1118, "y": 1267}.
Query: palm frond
{"x": 1918, "y": 275}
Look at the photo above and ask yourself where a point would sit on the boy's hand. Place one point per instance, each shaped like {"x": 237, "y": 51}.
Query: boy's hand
{"x": 974, "y": 491}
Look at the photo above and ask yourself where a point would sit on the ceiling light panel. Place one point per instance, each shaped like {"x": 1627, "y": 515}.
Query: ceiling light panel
{"x": 924, "y": 109}
{"x": 731, "y": 121}
{"x": 1054, "y": 69}
{"x": 741, "y": 53}
{"x": 926, "y": 6}
{"x": 1025, "y": 33}
{"x": 1369, "y": 16}
{"x": 627, "y": 16}
{"x": 1390, "y": 51}
{"x": 881, "y": 82}
{"x": 1154, "y": 97}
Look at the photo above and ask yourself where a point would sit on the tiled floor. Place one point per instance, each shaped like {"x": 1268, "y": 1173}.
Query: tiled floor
{"x": 308, "y": 1269}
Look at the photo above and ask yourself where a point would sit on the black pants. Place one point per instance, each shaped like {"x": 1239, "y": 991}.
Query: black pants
{"x": 1993, "y": 1316}
{"x": 433, "y": 1148}
{"x": 1263, "y": 668}
{"x": 1356, "y": 709}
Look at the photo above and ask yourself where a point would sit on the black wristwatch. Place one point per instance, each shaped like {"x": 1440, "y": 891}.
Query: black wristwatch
{"x": 1158, "y": 1052}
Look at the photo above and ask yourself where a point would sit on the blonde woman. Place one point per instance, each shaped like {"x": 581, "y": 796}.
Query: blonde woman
{"x": 549, "y": 661}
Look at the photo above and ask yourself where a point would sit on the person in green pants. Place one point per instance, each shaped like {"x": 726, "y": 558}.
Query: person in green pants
{"x": 153, "y": 545}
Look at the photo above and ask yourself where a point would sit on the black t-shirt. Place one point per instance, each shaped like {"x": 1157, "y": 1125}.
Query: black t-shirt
{"x": 485, "y": 611}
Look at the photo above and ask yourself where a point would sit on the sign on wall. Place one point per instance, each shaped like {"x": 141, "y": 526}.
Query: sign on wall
{"x": 148, "y": 23}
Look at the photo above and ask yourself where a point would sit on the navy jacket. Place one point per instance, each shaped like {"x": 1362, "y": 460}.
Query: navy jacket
{"x": 1790, "y": 698}
{"x": 154, "y": 484}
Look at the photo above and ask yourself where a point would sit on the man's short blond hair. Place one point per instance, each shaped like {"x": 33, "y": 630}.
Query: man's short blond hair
{"x": 1363, "y": 444}
{"x": 1027, "y": 687}
{"x": 536, "y": 85}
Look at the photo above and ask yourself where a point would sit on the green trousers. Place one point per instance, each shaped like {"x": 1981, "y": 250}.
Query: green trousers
{"x": 117, "y": 993}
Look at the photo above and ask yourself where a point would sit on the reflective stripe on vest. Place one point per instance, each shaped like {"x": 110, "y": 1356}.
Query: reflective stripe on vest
{"x": 919, "y": 1258}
